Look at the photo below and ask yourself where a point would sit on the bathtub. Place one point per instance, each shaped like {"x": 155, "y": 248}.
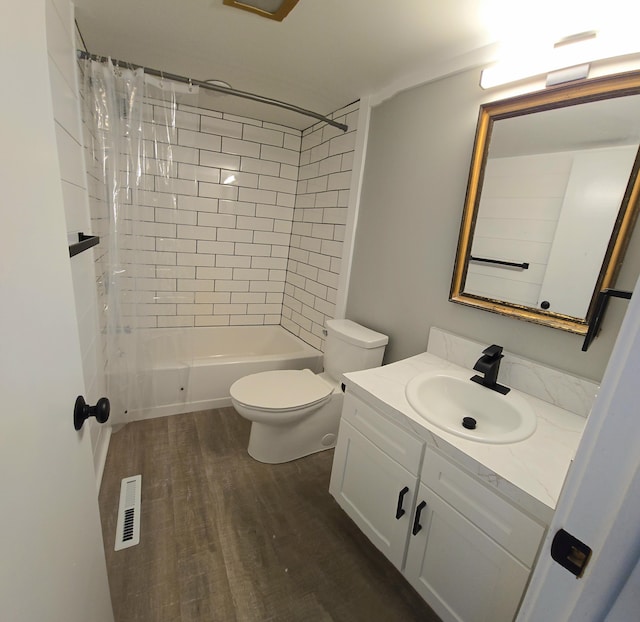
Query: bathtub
{"x": 190, "y": 369}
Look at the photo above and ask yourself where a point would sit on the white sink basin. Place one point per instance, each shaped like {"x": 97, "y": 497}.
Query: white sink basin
{"x": 444, "y": 398}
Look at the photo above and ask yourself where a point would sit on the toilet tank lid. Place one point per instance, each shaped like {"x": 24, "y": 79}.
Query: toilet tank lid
{"x": 356, "y": 334}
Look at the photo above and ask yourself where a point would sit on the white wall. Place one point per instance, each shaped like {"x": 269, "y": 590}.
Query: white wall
{"x": 64, "y": 89}
{"x": 415, "y": 178}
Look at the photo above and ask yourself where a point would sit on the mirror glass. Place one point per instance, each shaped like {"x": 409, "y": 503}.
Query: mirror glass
{"x": 551, "y": 200}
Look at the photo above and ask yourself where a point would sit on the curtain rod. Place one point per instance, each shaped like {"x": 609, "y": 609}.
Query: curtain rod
{"x": 214, "y": 87}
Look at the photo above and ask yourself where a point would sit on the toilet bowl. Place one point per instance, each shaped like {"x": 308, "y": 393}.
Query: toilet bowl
{"x": 295, "y": 413}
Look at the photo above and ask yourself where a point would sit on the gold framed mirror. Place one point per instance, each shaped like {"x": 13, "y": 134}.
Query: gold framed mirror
{"x": 551, "y": 201}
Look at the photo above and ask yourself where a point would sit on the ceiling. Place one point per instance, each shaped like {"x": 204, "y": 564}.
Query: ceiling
{"x": 324, "y": 55}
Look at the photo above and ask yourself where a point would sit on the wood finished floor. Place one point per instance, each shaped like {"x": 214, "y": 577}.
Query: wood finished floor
{"x": 225, "y": 538}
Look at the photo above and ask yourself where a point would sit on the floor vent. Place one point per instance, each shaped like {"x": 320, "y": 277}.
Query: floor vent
{"x": 128, "y": 527}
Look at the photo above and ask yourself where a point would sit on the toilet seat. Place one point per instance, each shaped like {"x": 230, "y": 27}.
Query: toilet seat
{"x": 281, "y": 390}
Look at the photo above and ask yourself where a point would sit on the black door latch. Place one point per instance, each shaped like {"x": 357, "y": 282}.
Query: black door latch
{"x": 570, "y": 553}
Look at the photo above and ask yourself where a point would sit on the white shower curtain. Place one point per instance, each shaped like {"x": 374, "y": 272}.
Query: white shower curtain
{"x": 130, "y": 132}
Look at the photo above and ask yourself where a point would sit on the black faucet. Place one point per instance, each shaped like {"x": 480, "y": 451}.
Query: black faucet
{"x": 489, "y": 365}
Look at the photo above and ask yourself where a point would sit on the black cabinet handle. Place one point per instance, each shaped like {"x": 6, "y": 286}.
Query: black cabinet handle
{"x": 399, "y": 511}
{"x": 416, "y": 521}
{"x": 82, "y": 411}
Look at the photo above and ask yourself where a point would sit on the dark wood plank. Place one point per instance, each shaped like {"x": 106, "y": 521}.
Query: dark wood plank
{"x": 142, "y": 578}
{"x": 226, "y": 538}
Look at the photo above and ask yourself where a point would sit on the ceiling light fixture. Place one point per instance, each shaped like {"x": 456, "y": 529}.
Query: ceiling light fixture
{"x": 568, "y": 59}
{"x": 272, "y": 9}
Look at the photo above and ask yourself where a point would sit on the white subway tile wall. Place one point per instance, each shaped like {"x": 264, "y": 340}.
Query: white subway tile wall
{"x": 319, "y": 220}
{"x": 229, "y": 230}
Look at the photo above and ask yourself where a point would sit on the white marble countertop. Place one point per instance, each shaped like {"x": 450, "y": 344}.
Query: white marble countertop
{"x": 530, "y": 472}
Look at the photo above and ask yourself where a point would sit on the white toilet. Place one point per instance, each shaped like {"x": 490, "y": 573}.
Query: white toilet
{"x": 295, "y": 413}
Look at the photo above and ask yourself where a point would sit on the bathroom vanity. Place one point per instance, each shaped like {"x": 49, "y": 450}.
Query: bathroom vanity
{"x": 462, "y": 520}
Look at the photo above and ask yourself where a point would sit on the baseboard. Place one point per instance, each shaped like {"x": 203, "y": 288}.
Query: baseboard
{"x": 100, "y": 453}
{"x": 177, "y": 409}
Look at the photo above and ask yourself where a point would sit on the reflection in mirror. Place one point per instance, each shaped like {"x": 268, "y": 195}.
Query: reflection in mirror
{"x": 551, "y": 201}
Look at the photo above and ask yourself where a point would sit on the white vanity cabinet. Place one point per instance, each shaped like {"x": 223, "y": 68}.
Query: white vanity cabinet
{"x": 465, "y": 548}
{"x": 375, "y": 476}
{"x": 470, "y": 551}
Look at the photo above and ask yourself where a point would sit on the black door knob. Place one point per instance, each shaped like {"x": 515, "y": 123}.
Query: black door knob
{"x": 82, "y": 411}
{"x": 545, "y": 304}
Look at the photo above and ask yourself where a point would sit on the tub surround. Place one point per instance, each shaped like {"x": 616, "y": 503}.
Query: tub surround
{"x": 531, "y": 472}
{"x": 319, "y": 226}
{"x": 244, "y": 225}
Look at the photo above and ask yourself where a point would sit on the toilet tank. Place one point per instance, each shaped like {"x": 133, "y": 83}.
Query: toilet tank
{"x": 351, "y": 347}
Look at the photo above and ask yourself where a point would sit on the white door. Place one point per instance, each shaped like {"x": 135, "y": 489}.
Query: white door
{"x": 52, "y": 564}
{"x": 600, "y": 502}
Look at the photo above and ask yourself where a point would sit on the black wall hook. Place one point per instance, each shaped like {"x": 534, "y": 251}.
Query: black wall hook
{"x": 82, "y": 411}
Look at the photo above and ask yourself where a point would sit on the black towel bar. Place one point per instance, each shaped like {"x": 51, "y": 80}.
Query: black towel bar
{"x": 500, "y": 262}
{"x": 84, "y": 242}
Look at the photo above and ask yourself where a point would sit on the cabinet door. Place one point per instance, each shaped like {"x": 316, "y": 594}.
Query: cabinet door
{"x": 459, "y": 570}
{"x": 500, "y": 519}
{"x": 375, "y": 491}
